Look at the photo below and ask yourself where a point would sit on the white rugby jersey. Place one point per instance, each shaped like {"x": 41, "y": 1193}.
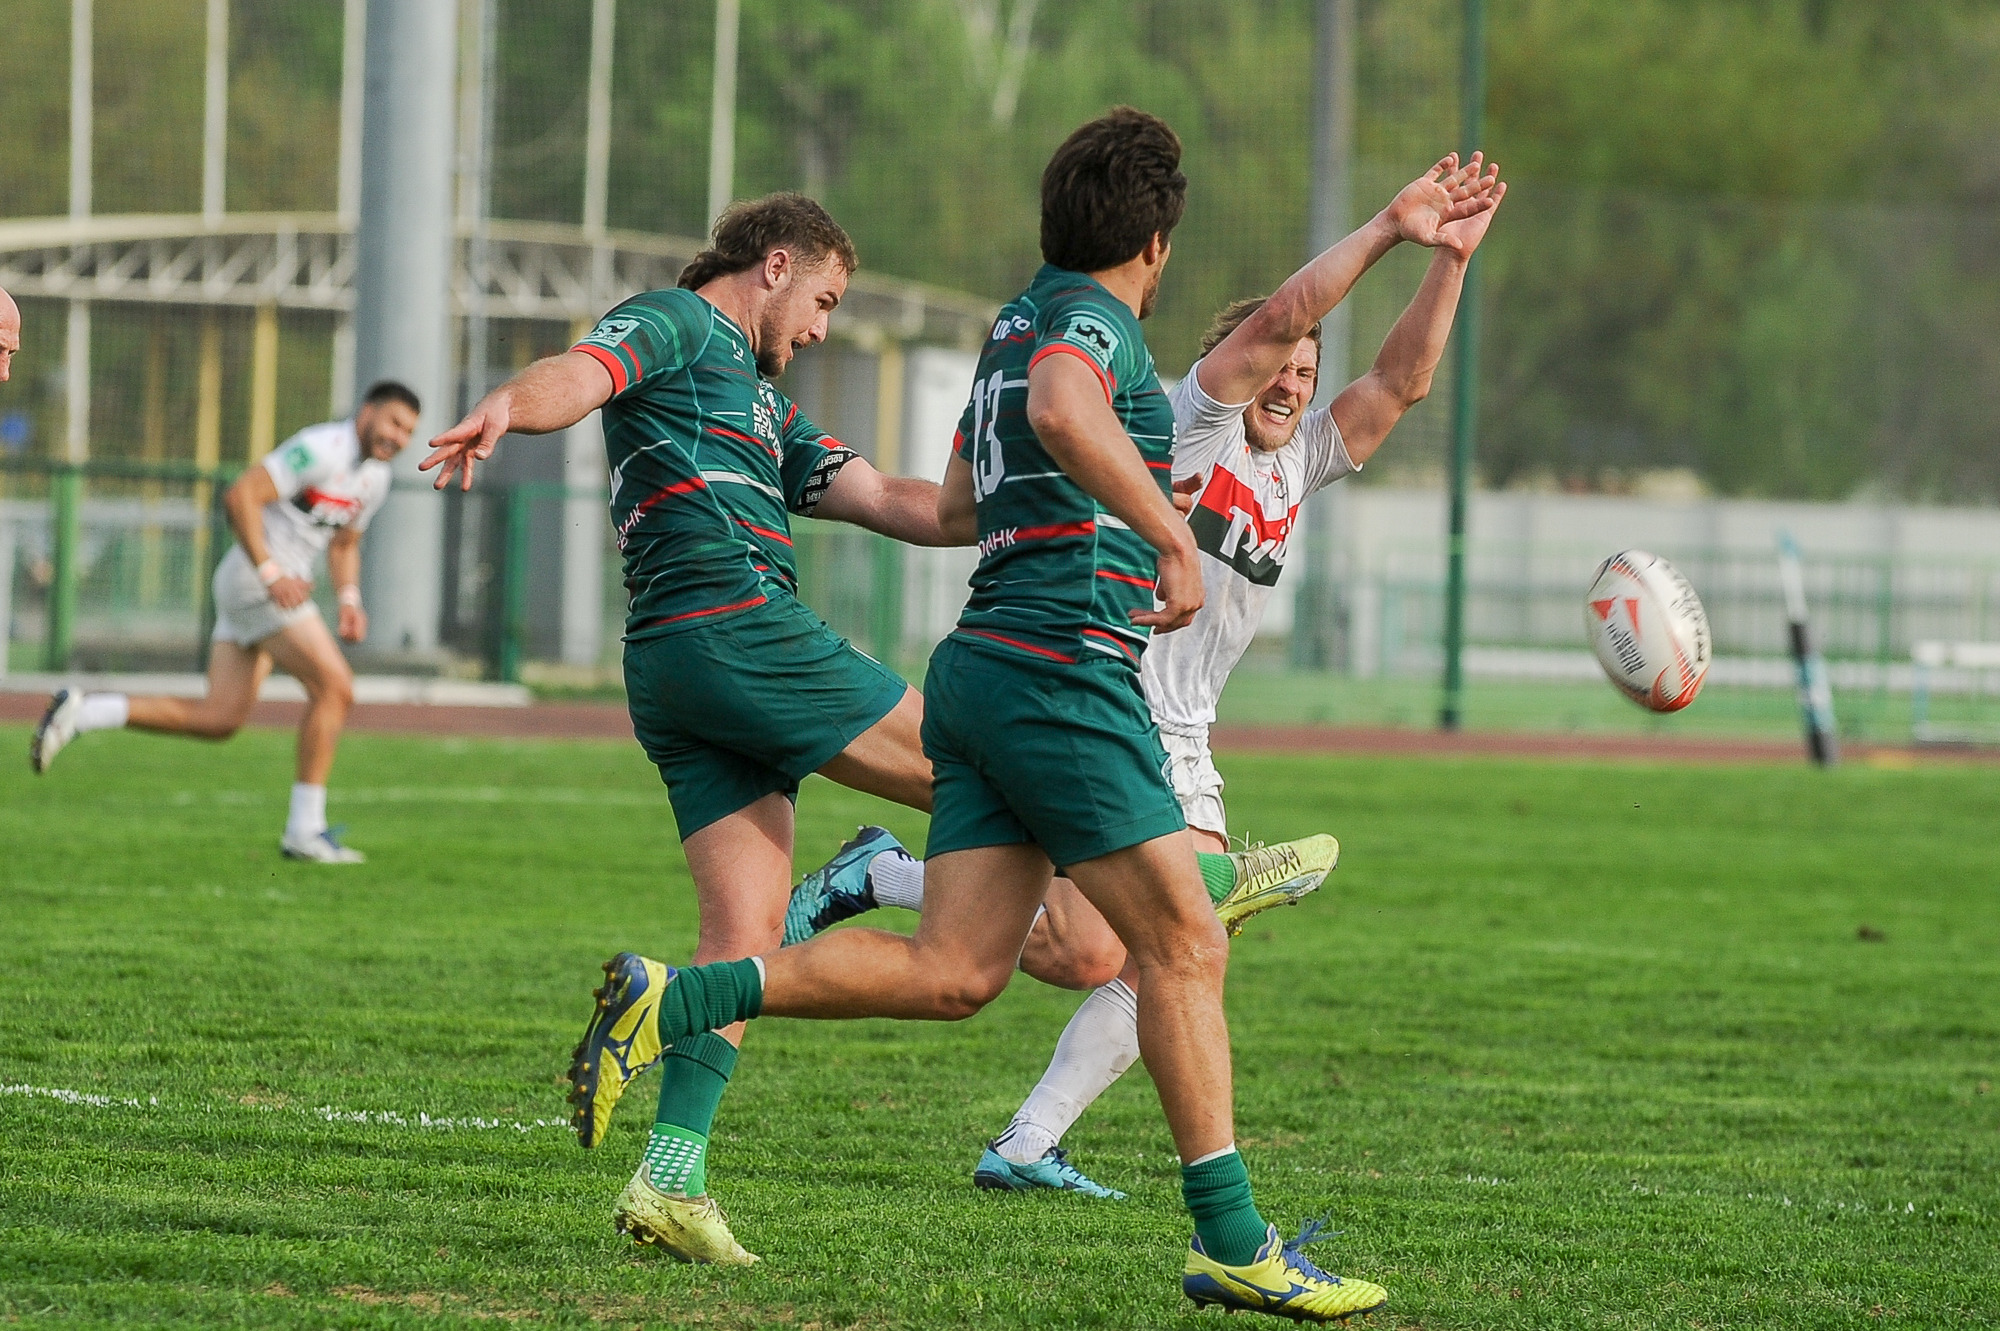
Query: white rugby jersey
{"x": 324, "y": 485}
{"x": 1242, "y": 520}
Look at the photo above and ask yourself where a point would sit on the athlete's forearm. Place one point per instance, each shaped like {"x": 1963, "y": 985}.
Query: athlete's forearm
{"x": 551, "y": 394}
{"x": 1401, "y": 377}
{"x": 343, "y": 559}
{"x": 1245, "y": 361}
{"x": 244, "y": 502}
{"x": 903, "y": 508}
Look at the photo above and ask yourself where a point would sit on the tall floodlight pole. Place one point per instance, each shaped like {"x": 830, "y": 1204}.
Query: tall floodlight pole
{"x": 722, "y": 110}
{"x": 1326, "y": 223}
{"x": 582, "y": 635}
{"x": 353, "y": 90}
{"x": 402, "y": 289}
{"x": 1465, "y": 389}
{"x": 215, "y": 115}
{"x": 67, "y": 485}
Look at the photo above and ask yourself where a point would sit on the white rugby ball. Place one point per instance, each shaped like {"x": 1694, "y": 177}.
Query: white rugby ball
{"x": 1648, "y": 629}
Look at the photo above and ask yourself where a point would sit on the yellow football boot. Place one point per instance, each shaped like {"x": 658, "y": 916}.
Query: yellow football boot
{"x": 623, "y": 1040}
{"x": 690, "y": 1229}
{"x": 1281, "y": 1281}
{"x": 1279, "y": 875}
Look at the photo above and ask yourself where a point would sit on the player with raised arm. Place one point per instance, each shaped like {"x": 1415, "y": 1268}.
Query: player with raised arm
{"x": 737, "y": 690}
{"x": 1249, "y": 450}
{"x": 314, "y": 494}
{"x": 1043, "y": 749}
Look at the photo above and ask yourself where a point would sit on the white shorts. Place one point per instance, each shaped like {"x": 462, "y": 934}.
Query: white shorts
{"x": 244, "y": 611}
{"x": 1197, "y": 785}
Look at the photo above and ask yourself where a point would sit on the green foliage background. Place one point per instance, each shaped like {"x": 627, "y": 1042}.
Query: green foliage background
{"x": 1754, "y": 238}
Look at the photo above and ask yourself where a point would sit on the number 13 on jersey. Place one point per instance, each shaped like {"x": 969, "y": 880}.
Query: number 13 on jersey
{"x": 988, "y": 465}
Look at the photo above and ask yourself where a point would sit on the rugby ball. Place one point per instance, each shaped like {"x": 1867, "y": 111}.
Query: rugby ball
{"x": 1648, "y": 629}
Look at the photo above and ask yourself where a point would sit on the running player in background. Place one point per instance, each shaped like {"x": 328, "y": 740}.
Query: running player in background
{"x": 313, "y": 494}
{"x": 1249, "y": 450}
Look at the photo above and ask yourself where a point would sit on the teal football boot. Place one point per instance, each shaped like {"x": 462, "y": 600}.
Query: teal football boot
{"x": 839, "y": 889}
{"x": 999, "y": 1174}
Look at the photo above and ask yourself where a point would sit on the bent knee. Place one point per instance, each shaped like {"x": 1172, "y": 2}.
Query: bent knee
{"x": 216, "y": 727}
{"x": 1085, "y": 967}
{"x": 964, "y": 996}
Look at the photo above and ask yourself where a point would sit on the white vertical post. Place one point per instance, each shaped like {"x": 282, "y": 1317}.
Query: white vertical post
{"x": 353, "y": 61}
{"x": 584, "y": 517}
{"x": 76, "y": 347}
{"x": 215, "y": 115}
{"x": 722, "y": 110}
{"x": 402, "y": 293}
{"x": 597, "y": 132}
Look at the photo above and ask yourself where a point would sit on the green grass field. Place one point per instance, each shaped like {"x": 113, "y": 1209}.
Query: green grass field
{"x": 1558, "y": 1046}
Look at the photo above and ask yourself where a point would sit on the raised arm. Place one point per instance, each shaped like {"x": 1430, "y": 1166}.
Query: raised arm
{"x": 902, "y": 507}
{"x": 1252, "y": 355}
{"x": 551, "y": 394}
{"x": 1367, "y": 409}
{"x": 1069, "y": 413}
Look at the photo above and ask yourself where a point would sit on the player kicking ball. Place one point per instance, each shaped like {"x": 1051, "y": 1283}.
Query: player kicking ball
{"x": 1041, "y": 744}
{"x": 313, "y": 495}
{"x": 1249, "y": 449}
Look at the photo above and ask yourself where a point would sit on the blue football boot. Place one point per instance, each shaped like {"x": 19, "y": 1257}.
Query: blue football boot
{"x": 839, "y": 889}
{"x": 1053, "y": 1170}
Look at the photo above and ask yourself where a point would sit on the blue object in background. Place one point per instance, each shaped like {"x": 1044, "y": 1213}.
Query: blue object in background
{"x": 15, "y": 431}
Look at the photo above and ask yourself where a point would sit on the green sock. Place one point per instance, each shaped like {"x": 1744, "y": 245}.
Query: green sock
{"x": 707, "y": 998}
{"x": 1218, "y": 872}
{"x": 1225, "y": 1217}
{"x": 692, "y": 1080}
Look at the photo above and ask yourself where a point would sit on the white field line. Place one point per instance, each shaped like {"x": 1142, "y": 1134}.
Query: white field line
{"x": 326, "y": 1113}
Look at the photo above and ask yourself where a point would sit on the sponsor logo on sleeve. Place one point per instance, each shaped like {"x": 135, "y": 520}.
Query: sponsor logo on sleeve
{"x": 297, "y": 458}
{"x": 610, "y": 332}
{"x": 1095, "y": 335}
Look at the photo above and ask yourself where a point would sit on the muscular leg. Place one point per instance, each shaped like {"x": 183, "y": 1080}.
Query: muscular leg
{"x": 234, "y": 676}
{"x": 308, "y": 653}
{"x": 888, "y": 758}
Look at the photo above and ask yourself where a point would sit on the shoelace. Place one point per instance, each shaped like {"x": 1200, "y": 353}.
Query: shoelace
{"x": 1260, "y": 860}
{"x": 1312, "y": 1232}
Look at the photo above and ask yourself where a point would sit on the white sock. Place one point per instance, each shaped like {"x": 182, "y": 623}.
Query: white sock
{"x": 1100, "y": 1042}
{"x": 897, "y": 880}
{"x": 1212, "y": 1155}
{"x": 308, "y": 816}
{"x": 102, "y": 711}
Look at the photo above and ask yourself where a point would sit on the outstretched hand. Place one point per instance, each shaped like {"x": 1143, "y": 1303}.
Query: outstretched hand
{"x": 1448, "y": 193}
{"x": 470, "y": 441}
{"x": 1462, "y": 236}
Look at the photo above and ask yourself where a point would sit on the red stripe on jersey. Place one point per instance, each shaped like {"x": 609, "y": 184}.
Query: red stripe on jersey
{"x": 714, "y": 610}
{"x": 1161, "y": 466}
{"x": 1024, "y": 646}
{"x": 610, "y": 362}
{"x": 688, "y": 486}
{"x": 1147, "y": 583}
{"x": 626, "y": 347}
{"x": 1083, "y": 528}
{"x": 1115, "y": 642}
{"x": 1082, "y": 355}
{"x": 791, "y": 416}
{"x": 764, "y": 531}
{"x": 1226, "y": 495}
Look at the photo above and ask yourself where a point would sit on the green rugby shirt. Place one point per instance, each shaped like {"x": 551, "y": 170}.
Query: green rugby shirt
{"x": 1058, "y": 577}
{"x": 707, "y": 462}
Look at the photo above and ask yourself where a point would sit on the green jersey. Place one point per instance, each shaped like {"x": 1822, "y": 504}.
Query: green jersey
{"x": 707, "y": 462}
{"x": 1058, "y": 577}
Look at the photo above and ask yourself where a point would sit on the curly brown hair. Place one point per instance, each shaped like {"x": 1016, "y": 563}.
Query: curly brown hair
{"x": 748, "y": 231}
{"x": 1231, "y": 316}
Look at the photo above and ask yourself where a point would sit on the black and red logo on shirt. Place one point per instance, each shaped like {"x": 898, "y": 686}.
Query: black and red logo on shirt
{"x": 1229, "y": 523}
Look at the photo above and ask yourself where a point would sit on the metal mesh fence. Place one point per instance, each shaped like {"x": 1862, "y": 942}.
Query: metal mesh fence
{"x": 1805, "y": 341}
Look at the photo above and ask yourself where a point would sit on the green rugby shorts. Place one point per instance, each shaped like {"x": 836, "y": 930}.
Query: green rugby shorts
{"x": 734, "y": 709}
{"x": 1066, "y": 756}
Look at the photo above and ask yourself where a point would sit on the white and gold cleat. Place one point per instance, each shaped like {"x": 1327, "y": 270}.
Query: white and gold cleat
{"x": 690, "y": 1229}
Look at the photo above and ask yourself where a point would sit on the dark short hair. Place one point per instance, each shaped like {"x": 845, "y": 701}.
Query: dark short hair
{"x": 1231, "y": 316}
{"x": 1113, "y": 185}
{"x": 747, "y": 232}
{"x": 388, "y": 390}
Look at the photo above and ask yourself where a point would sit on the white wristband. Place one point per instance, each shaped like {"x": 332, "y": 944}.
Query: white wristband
{"x": 350, "y": 595}
{"x": 269, "y": 571}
